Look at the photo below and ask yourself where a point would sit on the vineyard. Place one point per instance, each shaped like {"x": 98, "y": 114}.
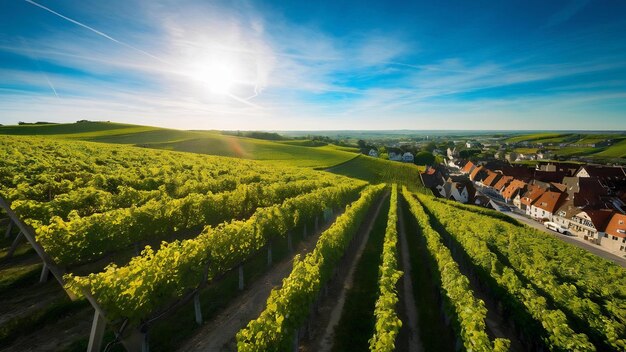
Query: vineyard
{"x": 170, "y": 250}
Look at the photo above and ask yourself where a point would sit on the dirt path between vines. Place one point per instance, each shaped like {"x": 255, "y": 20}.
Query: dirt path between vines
{"x": 323, "y": 327}
{"x": 219, "y": 333}
{"x": 410, "y": 308}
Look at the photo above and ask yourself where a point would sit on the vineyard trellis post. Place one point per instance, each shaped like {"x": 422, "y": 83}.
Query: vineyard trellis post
{"x": 16, "y": 242}
{"x": 43, "y": 277}
{"x": 269, "y": 253}
{"x": 50, "y": 267}
{"x": 240, "y": 269}
{"x": 97, "y": 332}
{"x": 197, "y": 307}
{"x": 9, "y": 228}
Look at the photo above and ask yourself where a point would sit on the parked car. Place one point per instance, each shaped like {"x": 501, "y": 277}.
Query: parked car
{"x": 556, "y": 227}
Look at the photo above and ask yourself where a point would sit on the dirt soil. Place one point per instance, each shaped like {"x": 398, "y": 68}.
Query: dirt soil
{"x": 219, "y": 333}
{"x": 321, "y": 327}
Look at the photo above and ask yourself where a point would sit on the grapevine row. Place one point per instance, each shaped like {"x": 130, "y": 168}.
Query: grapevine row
{"x": 557, "y": 334}
{"x": 288, "y": 307}
{"x": 605, "y": 324}
{"x": 81, "y": 239}
{"x": 388, "y": 323}
{"x": 155, "y": 278}
{"x": 470, "y": 313}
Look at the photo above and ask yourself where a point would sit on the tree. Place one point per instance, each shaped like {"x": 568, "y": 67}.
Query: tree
{"x": 430, "y": 147}
{"x": 424, "y": 158}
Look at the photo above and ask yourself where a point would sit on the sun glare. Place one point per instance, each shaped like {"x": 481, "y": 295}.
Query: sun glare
{"x": 218, "y": 77}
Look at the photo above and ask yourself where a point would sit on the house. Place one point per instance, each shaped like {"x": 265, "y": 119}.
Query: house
{"x": 471, "y": 144}
{"x": 408, "y": 157}
{"x": 452, "y": 153}
{"x": 460, "y": 191}
{"x": 485, "y": 202}
{"x": 519, "y": 172}
{"x": 468, "y": 168}
{"x": 544, "y": 155}
{"x": 431, "y": 178}
{"x": 510, "y": 157}
{"x": 568, "y": 168}
{"x": 438, "y": 152}
{"x": 565, "y": 213}
{"x": 395, "y": 156}
{"x": 590, "y": 224}
{"x": 601, "y": 172}
{"x": 549, "y": 176}
{"x": 479, "y": 174}
{"x": 615, "y": 233}
{"x": 502, "y": 183}
{"x": 491, "y": 179}
{"x": 545, "y": 206}
{"x": 612, "y": 178}
{"x": 584, "y": 191}
{"x": 373, "y": 153}
{"x": 527, "y": 199}
{"x": 514, "y": 188}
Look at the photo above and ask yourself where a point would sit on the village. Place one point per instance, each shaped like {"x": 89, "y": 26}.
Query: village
{"x": 584, "y": 201}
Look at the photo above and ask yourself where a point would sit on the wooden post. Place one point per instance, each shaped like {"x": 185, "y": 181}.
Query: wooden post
{"x": 304, "y": 231}
{"x": 145, "y": 346}
{"x": 44, "y": 273}
{"x": 241, "y": 276}
{"x": 269, "y": 254}
{"x": 16, "y": 242}
{"x": 97, "y": 332}
{"x": 289, "y": 242}
{"x": 28, "y": 233}
{"x": 9, "y": 228}
{"x": 296, "y": 340}
{"x": 197, "y": 308}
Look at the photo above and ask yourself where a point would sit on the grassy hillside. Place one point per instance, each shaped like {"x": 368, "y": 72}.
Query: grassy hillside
{"x": 203, "y": 142}
{"x": 574, "y": 140}
{"x": 543, "y": 137}
{"x": 377, "y": 170}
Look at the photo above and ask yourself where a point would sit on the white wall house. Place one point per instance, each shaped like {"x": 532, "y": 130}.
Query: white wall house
{"x": 454, "y": 190}
{"x": 408, "y": 157}
{"x": 395, "y": 156}
{"x": 373, "y": 153}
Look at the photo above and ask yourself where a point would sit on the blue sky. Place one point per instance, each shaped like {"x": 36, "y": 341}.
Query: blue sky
{"x": 312, "y": 65}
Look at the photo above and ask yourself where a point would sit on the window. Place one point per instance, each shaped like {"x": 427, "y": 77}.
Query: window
{"x": 606, "y": 235}
{"x": 621, "y": 222}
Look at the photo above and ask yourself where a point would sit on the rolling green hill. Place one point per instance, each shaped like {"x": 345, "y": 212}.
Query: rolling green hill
{"x": 377, "y": 170}
{"x": 203, "y": 142}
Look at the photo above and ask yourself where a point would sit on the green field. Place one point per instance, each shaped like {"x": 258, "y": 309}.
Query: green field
{"x": 617, "y": 150}
{"x": 296, "y": 153}
{"x": 379, "y": 170}
{"x": 610, "y": 153}
{"x": 544, "y": 137}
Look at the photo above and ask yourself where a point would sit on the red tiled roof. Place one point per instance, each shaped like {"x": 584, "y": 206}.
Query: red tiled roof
{"x": 503, "y": 182}
{"x": 512, "y": 188}
{"x": 532, "y": 194}
{"x": 599, "y": 218}
{"x": 492, "y": 178}
{"x": 617, "y": 225}
{"x": 549, "y": 201}
{"x": 468, "y": 167}
{"x": 478, "y": 174}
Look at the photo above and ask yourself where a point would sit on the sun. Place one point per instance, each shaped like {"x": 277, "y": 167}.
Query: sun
{"x": 218, "y": 77}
